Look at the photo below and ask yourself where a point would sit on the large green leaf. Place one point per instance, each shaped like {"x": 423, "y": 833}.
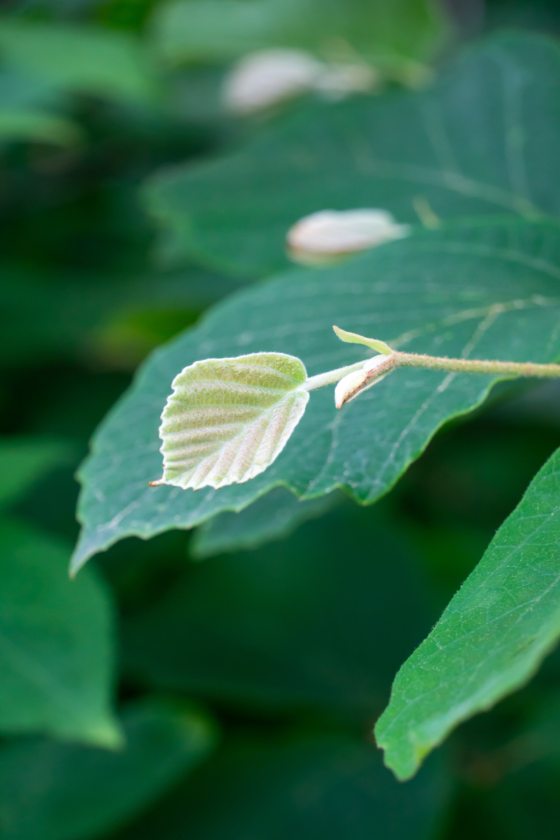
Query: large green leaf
{"x": 214, "y": 30}
{"x": 317, "y": 784}
{"x": 55, "y": 642}
{"x": 26, "y": 110}
{"x": 491, "y": 638}
{"x": 482, "y": 140}
{"x": 287, "y": 628}
{"x": 488, "y": 290}
{"x": 54, "y": 791}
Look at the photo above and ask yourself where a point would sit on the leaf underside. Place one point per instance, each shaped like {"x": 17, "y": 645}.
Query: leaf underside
{"x": 228, "y": 419}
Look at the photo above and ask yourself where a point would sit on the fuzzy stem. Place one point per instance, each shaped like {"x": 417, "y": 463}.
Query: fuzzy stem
{"x": 487, "y": 366}
{"x": 419, "y": 360}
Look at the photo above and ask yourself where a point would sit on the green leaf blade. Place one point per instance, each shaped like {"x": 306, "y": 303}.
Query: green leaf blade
{"x": 73, "y": 58}
{"x": 480, "y": 141}
{"x": 214, "y": 30}
{"x": 227, "y": 420}
{"x": 55, "y": 643}
{"x": 493, "y": 293}
{"x": 491, "y": 638}
{"x": 77, "y": 791}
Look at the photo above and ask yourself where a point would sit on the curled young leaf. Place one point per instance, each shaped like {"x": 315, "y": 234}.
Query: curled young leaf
{"x": 227, "y": 420}
{"x": 355, "y": 338}
{"x": 371, "y": 372}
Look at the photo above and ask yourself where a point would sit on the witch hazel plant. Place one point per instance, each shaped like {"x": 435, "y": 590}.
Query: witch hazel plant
{"x": 226, "y": 420}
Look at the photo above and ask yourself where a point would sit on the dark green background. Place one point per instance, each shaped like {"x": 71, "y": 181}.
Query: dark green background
{"x": 287, "y": 652}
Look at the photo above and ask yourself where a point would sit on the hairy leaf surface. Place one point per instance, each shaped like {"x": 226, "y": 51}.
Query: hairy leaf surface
{"x": 488, "y": 290}
{"x": 227, "y": 420}
{"x": 490, "y": 639}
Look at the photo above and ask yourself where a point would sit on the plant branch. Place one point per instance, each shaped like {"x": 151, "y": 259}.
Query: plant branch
{"x": 531, "y": 369}
{"x": 331, "y": 377}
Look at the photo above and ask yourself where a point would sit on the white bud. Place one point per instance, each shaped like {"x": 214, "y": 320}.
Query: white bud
{"x": 265, "y": 78}
{"x": 326, "y": 236}
{"x": 360, "y": 380}
{"x": 268, "y": 77}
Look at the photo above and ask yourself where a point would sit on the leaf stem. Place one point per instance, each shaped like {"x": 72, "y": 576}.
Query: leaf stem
{"x": 331, "y": 377}
{"x": 398, "y": 359}
{"x": 531, "y": 369}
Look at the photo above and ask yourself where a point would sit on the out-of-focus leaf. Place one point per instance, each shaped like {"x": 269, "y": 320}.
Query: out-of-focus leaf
{"x": 319, "y": 785}
{"x": 298, "y": 625}
{"x": 70, "y": 313}
{"x": 525, "y": 801}
{"x": 25, "y": 113}
{"x": 213, "y": 30}
{"x": 491, "y": 638}
{"x": 55, "y": 643}
{"x": 24, "y": 460}
{"x": 79, "y": 59}
{"x": 273, "y": 516}
{"x": 55, "y": 791}
{"x": 38, "y": 126}
{"x": 481, "y": 141}
{"x": 481, "y": 290}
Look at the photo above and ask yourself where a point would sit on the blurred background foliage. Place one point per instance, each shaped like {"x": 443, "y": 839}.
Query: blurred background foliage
{"x": 247, "y": 683}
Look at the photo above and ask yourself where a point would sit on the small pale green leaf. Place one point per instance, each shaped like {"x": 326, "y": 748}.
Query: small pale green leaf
{"x": 227, "y": 420}
{"x": 491, "y": 638}
{"x": 355, "y": 338}
{"x": 55, "y": 791}
{"x": 55, "y": 643}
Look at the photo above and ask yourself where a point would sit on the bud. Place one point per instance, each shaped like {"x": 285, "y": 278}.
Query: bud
{"x": 328, "y": 235}
{"x": 266, "y": 78}
{"x": 371, "y": 372}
